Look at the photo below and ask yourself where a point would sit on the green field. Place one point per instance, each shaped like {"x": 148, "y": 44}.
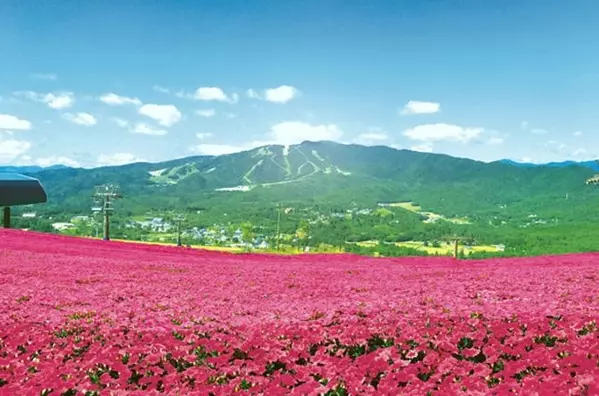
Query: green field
{"x": 431, "y": 215}
{"x": 443, "y": 249}
{"x": 284, "y": 249}
{"x": 446, "y": 248}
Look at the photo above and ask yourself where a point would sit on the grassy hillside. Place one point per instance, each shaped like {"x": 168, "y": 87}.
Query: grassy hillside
{"x": 333, "y": 173}
{"x": 532, "y": 210}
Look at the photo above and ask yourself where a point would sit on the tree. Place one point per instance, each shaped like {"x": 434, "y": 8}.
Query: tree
{"x": 247, "y": 232}
{"x": 302, "y": 233}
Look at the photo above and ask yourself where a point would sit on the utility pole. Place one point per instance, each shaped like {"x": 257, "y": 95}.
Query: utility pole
{"x": 455, "y": 248}
{"x": 456, "y": 243}
{"x": 179, "y": 219}
{"x": 278, "y": 225}
{"x": 103, "y": 202}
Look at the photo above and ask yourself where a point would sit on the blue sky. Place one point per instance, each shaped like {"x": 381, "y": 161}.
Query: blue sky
{"x": 97, "y": 83}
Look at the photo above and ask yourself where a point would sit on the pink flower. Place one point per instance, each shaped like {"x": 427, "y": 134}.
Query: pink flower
{"x": 120, "y": 309}
{"x": 153, "y": 358}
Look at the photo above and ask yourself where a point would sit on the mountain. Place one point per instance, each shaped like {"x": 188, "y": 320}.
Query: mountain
{"x": 518, "y": 164}
{"x": 563, "y": 164}
{"x": 29, "y": 169}
{"x": 327, "y": 173}
{"x": 587, "y": 164}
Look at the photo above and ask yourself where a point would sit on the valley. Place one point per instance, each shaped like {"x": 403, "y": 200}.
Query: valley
{"x": 430, "y": 216}
{"x": 335, "y": 197}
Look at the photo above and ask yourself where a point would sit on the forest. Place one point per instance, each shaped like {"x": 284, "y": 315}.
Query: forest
{"x": 342, "y": 197}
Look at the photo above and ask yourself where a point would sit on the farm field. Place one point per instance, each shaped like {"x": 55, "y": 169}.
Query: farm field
{"x": 88, "y": 316}
{"x": 410, "y": 206}
{"x": 443, "y": 249}
{"x": 285, "y": 249}
{"x": 215, "y": 248}
{"x": 446, "y": 248}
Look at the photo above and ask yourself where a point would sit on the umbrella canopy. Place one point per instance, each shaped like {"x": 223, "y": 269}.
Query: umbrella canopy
{"x": 17, "y": 189}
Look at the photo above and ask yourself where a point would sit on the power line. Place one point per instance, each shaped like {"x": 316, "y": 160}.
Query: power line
{"x": 103, "y": 203}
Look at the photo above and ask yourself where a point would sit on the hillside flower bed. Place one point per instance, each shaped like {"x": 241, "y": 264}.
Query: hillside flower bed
{"x": 90, "y": 317}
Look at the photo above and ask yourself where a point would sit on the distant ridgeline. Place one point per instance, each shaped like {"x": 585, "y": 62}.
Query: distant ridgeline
{"x": 586, "y": 164}
{"x": 29, "y": 169}
{"x": 337, "y": 189}
{"x": 329, "y": 173}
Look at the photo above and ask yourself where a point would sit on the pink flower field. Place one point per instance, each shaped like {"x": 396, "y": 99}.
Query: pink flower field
{"x": 90, "y": 317}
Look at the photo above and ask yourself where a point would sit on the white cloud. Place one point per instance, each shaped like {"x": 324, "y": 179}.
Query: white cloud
{"x": 160, "y": 89}
{"x": 140, "y": 128}
{"x": 284, "y": 133}
{"x": 423, "y": 148}
{"x": 282, "y": 94}
{"x": 495, "y": 140}
{"x": 117, "y": 159}
{"x": 577, "y": 133}
{"x": 525, "y": 125}
{"x": 206, "y": 113}
{"x": 45, "y": 76}
{"x": 441, "y": 131}
{"x": 210, "y": 94}
{"x": 374, "y": 136}
{"x": 146, "y": 129}
{"x": 166, "y": 115}
{"x": 204, "y": 135}
{"x": 253, "y": 94}
{"x": 557, "y": 148}
{"x": 416, "y": 107}
{"x": 60, "y": 101}
{"x": 57, "y": 101}
{"x": 8, "y": 121}
{"x": 293, "y": 132}
{"x": 11, "y": 149}
{"x": 84, "y": 119}
{"x": 120, "y": 122}
{"x": 113, "y": 99}
{"x": 554, "y": 150}
{"x": 58, "y": 160}
{"x": 220, "y": 149}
